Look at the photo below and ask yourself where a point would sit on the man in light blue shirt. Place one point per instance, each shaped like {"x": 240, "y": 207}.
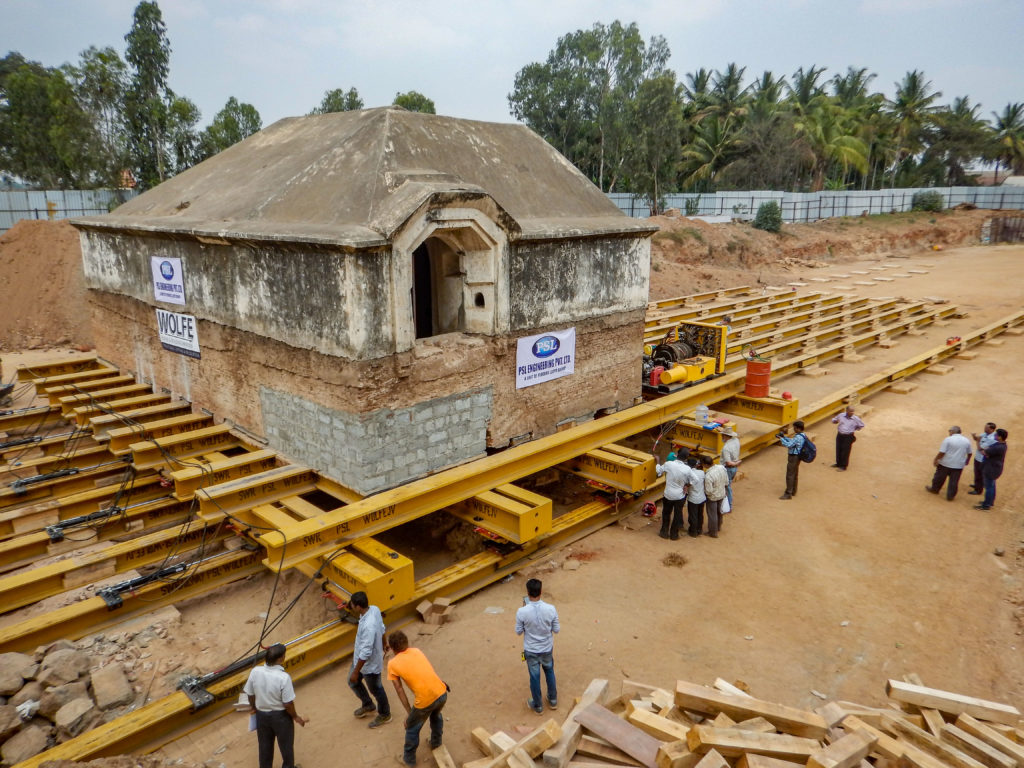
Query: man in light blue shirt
{"x": 793, "y": 446}
{"x": 368, "y": 661}
{"x": 537, "y": 621}
{"x": 983, "y": 441}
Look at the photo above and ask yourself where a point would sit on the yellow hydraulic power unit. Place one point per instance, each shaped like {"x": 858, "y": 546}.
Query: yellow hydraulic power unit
{"x": 691, "y": 352}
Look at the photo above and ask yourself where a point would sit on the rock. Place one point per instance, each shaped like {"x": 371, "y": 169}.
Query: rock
{"x": 59, "y": 645}
{"x": 110, "y": 687}
{"x": 998, "y": 551}
{"x": 15, "y": 668}
{"x": 28, "y": 743}
{"x": 32, "y": 691}
{"x": 74, "y": 718}
{"x": 55, "y": 698}
{"x": 10, "y": 721}
{"x": 63, "y": 666}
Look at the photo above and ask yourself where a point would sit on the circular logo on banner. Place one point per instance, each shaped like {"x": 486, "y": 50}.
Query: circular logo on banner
{"x": 545, "y": 346}
{"x": 166, "y": 270}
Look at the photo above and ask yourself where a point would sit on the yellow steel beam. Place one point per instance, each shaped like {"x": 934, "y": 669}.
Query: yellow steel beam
{"x": 655, "y": 326}
{"x": 773, "y": 410}
{"x": 85, "y": 478}
{"x": 42, "y": 465}
{"x": 56, "y": 392}
{"x": 614, "y": 465}
{"x": 368, "y": 566}
{"x": 247, "y": 492}
{"x": 36, "y": 417}
{"x": 688, "y": 432}
{"x": 70, "y": 403}
{"x": 20, "y": 589}
{"x": 120, "y": 440}
{"x": 92, "y": 615}
{"x": 101, "y": 426}
{"x": 513, "y": 513}
{"x": 103, "y": 372}
{"x": 694, "y": 298}
{"x": 143, "y": 516}
{"x": 164, "y": 451}
{"x": 57, "y": 368}
{"x": 189, "y": 480}
{"x": 18, "y": 520}
{"x": 801, "y": 322}
{"x": 49, "y": 444}
{"x": 84, "y": 414}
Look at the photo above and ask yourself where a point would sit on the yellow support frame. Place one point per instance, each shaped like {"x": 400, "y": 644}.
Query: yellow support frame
{"x": 773, "y": 410}
{"x": 120, "y": 440}
{"x": 150, "y": 454}
{"x": 513, "y": 513}
{"x": 616, "y": 466}
{"x": 70, "y": 365}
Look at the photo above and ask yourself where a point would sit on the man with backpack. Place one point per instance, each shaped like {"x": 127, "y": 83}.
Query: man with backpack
{"x": 800, "y": 449}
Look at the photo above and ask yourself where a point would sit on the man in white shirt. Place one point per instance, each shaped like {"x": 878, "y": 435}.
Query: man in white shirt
{"x": 272, "y": 700}
{"x": 677, "y": 482}
{"x": 695, "y": 498}
{"x": 730, "y": 460}
{"x": 537, "y": 621}
{"x": 953, "y": 456}
{"x": 716, "y": 481}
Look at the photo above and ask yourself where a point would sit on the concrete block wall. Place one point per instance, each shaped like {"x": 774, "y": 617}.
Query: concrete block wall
{"x": 372, "y": 451}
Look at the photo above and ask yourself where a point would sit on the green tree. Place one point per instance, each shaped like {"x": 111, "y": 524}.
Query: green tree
{"x": 101, "y": 83}
{"x": 72, "y": 135}
{"x": 25, "y": 119}
{"x": 185, "y": 141}
{"x": 1008, "y": 147}
{"x": 147, "y": 103}
{"x": 414, "y": 101}
{"x": 233, "y": 123}
{"x": 959, "y": 137}
{"x": 715, "y": 145}
{"x": 337, "y": 100}
{"x": 831, "y": 143}
{"x": 912, "y": 110}
{"x": 728, "y": 94}
{"x": 654, "y": 154}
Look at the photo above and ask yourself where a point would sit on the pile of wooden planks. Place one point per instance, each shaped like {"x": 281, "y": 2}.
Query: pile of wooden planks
{"x": 723, "y": 726}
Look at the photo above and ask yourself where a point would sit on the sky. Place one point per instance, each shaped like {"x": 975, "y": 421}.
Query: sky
{"x": 282, "y": 55}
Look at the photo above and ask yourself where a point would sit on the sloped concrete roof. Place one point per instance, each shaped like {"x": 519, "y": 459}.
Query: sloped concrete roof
{"x": 351, "y": 179}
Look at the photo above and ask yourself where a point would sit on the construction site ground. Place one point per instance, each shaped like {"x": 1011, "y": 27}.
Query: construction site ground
{"x": 861, "y": 577}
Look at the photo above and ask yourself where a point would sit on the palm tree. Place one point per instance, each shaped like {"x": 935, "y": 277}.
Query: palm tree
{"x": 851, "y": 90}
{"x": 804, "y": 88}
{"x": 826, "y": 130}
{"x": 728, "y": 95}
{"x": 1009, "y": 139}
{"x": 713, "y": 147}
{"x": 913, "y": 108}
{"x": 960, "y": 136}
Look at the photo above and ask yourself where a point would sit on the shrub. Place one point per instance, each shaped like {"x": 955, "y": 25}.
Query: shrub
{"x": 926, "y": 201}
{"x": 769, "y": 217}
{"x": 692, "y": 205}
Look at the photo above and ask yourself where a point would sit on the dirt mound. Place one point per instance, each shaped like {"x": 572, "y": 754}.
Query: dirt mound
{"x": 692, "y": 256}
{"x": 43, "y": 291}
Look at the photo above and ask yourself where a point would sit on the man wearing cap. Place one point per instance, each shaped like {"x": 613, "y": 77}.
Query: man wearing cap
{"x": 272, "y": 700}
{"x": 677, "y": 484}
{"x": 847, "y": 424}
{"x": 730, "y": 459}
{"x": 954, "y": 454}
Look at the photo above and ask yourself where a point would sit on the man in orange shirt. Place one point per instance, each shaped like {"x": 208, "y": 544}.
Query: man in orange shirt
{"x": 410, "y": 666}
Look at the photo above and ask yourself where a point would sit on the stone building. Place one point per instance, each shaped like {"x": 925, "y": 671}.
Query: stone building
{"x": 354, "y": 287}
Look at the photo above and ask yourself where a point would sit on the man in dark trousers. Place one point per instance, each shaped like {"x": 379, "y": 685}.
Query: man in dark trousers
{"x": 410, "y": 666}
{"x": 847, "y": 423}
{"x": 272, "y": 701}
{"x": 368, "y": 661}
{"x": 792, "y": 445}
{"x": 992, "y": 468}
{"x": 954, "y": 454}
{"x": 983, "y": 441}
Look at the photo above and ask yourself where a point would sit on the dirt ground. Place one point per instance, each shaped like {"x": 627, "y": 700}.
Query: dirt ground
{"x": 861, "y": 577}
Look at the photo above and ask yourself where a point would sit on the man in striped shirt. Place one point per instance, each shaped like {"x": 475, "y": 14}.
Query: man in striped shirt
{"x": 847, "y": 424}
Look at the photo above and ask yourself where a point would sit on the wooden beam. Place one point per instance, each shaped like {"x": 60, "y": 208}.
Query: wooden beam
{"x": 992, "y": 737}
{"x": 660, "y": 728}
{"x": 753, "y": 760}
{"x": 560, "y": 753}
{"x": 885, "y": 745}
{"x": 846, "y": 752}
{"x": 443, "y": 758}
{"x": 677, "y": 754}
{"x": 732, "y": 742}
{"x": 591, "y": 746}
{"x": 789, "y": 720}
{"x": 532, "y": 744}
{"x": 619, "y": 733}
{"x": 984, "y": 753}
{"x": 928, "y": 743}
{"x": 952, "y": 703}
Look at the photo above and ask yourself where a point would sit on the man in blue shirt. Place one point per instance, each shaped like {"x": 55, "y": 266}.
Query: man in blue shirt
{"x": 538, "y": 622}
{"x": 368, "y": 661}
{"x": 793, "y": 445}
{"x": 983, "y": 441}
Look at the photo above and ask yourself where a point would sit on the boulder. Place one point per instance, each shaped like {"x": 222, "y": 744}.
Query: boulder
{"x": 55, "y": 698}
{"x": 63, "y": 666}
{"x": 75, "y": 717}
{"x": 31, "y": 691}
{"x": 10, "y": 721}
{"x": 10, "y": 681}
{"x": 23, "y": 745}
{"x": 58, "y": 645}
{"x": 110, "y": 687}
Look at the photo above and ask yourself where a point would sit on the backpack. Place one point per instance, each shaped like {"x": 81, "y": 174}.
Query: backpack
{"x": 808, "y": 451}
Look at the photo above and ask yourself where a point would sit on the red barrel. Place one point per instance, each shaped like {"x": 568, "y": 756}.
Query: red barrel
{"x": 759, "y": 378}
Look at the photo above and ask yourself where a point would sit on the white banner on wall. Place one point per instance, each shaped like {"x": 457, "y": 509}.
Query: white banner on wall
{"x": 178, "y": 333}
{"x": 168, "y": 280}
{"x": 545, "y": 357}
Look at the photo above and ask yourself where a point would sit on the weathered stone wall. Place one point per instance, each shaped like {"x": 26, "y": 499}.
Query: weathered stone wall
{"x": 243, "y": 378}
{"x": 335, "y": 302}
{"x": 565, "y": 280}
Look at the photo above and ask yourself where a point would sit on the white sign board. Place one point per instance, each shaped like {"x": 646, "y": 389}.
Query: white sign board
{"x": 545, "y": 357}
{"x": 178, "y": 333}
{"x": 168, "y": 280}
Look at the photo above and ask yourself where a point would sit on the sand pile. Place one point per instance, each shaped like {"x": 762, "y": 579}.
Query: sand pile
{"x": 42, "y": 291}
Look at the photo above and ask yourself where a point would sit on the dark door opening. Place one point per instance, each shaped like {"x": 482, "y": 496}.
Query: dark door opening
{"x": 422, "y": 292}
